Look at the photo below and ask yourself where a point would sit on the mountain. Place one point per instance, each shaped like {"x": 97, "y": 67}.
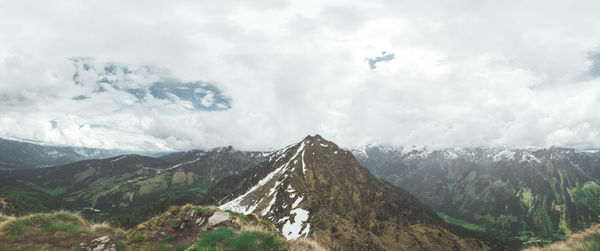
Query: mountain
{"x": 124, "y": 189}
{"x": 17, "y": 154}
{"x": 315, "y": 189}
{"x": 536, "y": 195}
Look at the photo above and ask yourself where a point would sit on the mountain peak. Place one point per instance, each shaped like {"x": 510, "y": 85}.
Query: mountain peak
{"x": 313, "y": 188}
{"x": 316, "y": 137}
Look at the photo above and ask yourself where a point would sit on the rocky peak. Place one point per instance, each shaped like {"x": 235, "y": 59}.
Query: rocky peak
{"x": 315, "y": 189}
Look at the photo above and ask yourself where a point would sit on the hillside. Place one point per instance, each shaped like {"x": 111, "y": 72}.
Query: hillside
{"x": 535, "y": 195}
{"x": 124, "y": 189}
{"x": 588, "y": 240}
{"x": 179, "y": 228}
{"x": 315, "y": 189}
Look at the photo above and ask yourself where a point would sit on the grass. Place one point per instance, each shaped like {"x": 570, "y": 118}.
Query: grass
{"x": 304, "y": 244}
{"x": 60, "y": 224}
{"x": 164, "y": 246}
{"x": 212, "y": 238}
{"x": 461, "y": 223}
{"x": 181, "y": 248}
{"x": 4, "y": 218}
{"x": 255, "y": 240}
{"x": 230, "y": 239}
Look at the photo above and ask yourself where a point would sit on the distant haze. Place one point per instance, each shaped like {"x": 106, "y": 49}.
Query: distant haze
{"x": 258, "y": 75}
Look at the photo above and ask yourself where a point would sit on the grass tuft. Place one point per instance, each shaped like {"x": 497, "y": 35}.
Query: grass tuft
{"x": 255, "y": 240}
{"x": 59, "y": 223}
{"x": 212, "y": 238}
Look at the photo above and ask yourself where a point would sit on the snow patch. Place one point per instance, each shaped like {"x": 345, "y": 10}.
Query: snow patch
{"x": 292, "y": 231}
{"x": 268, "y": 208}
{"x": 297, "y": 202}
{"x": 505, "y": 154}
{"x": 120, "y": 158}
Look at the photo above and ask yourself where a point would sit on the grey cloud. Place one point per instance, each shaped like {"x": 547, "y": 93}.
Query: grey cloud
{"x": 383, "y": 58}
{"x": 81, "y": 97}
{"x": 203, "y": 96}
{"x": 594, "y": 58}
{"x": 138, "y": 81}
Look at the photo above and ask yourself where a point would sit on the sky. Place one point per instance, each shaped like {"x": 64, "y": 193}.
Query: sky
{"x": 258, "y": 75}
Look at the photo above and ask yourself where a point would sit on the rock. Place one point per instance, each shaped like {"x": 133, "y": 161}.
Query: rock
{"x": 218, "y": 217}
{"x": 103, "y": 240}
{"x": 201, "y": 221}
{"x": 99, "y": 244}
{"x": 181, "y": 224}
{"x": 99, "y": 247}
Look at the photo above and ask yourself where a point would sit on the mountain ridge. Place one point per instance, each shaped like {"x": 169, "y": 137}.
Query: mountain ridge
{"x": 536, "y": 195}
{"x": 315, "y": 189}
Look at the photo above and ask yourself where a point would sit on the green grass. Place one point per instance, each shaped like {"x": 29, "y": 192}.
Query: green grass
{"x": 59, "y": 223}
{"x": 229, "y": 239}
{"x": 169, "y": 239}
{"x": 461, "y": 223}
{"x": 164, "y": 246}
{"x": 63, "y": 229}
{"x": 181, "y": 248}
{"x": 255, "y": 240}
{"x": 212, "y": 238}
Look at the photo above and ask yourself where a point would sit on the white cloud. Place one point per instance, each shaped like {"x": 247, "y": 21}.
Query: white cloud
{"x": 465, "y": 74}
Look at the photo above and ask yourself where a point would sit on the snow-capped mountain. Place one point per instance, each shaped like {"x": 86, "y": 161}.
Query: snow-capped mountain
{"x": 315, "y": 189}
{"x": 549, "y": 191}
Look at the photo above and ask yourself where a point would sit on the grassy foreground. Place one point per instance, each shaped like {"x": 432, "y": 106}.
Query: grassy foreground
{"x": 67, "y": 231}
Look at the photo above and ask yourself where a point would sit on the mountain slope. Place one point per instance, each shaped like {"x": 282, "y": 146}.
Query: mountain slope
{"x": 124, "y": 189}
{"x": 536, "y": 195}
{"x": 17, "y": 154}
{"x": 315, "y": 189}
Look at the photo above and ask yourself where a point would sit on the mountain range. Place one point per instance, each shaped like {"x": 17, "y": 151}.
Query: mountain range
{"x": 123, "y": 189}
{"x": 17, "y": 154}
{"x": 455, "y": 197}
{"x": 535, "y": 195}
{"x": 316, "y": 189}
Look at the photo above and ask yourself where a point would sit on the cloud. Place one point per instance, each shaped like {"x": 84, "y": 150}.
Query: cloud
{"x": 81, "y": 97}
{"x": 594, "y": 58}
{"x": 383, "y": 58}
{"x": 463, "y": 76}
